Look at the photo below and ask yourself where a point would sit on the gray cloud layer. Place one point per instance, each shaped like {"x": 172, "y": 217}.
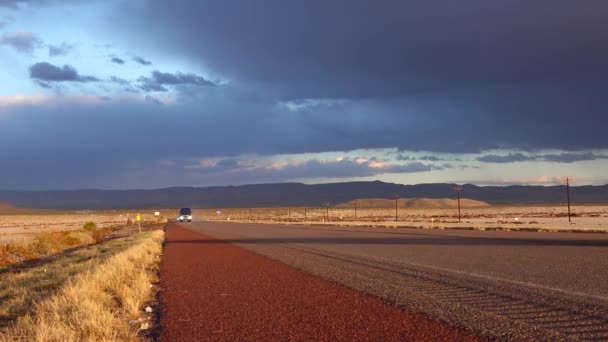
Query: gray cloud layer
{"x": 5, "y": 21}
{"x": 227, "y": 169}
{"x": 554, "y": 158}
{"x": 22, "y": 41}
{"x": 59, "y": 50}
{"x": 159, "y": 80}
{"x": 117, "y": 60}
{"x": 141, "y": 60}
{"x": 47, "y": 72}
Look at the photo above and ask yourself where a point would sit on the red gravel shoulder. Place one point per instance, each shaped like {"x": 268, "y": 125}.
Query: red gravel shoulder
{"x": 212, "y": 290}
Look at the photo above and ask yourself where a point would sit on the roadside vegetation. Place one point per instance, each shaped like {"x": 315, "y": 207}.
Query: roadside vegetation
{"x": 49, "y": 243}
{"x": 91, "y": 293}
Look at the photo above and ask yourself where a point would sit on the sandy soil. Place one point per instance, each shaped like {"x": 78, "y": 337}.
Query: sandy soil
{"x": 551, "y": 218}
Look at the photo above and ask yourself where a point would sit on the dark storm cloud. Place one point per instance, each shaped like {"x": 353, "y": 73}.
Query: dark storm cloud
{"x": 486, "y": 74}
{"x": 22, "y": 41}
{"x": 117, "y": 60}
{"x": 553, "y": 158}
{"x": 47, "y": 72}
{"x": 59, "y": 50}
{"x": 317, "y": 76}
{"x": 361, "y": 48}
{"x": 71, "y": 130}
{"x": 141, "y": 60}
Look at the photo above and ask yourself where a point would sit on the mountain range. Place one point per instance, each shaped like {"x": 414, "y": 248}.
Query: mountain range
{"x": 293, "y": 194}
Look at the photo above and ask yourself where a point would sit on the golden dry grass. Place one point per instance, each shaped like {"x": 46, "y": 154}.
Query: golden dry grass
{"x": 48, "y": 243}
{"x": 99, "y": 295}
{"x": 23, "y": 226}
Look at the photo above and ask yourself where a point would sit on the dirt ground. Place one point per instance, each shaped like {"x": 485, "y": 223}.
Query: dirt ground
{"x": 550, "y": 218}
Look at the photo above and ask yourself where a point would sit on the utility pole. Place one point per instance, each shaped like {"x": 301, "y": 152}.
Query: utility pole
{"x": 568, "y": 197}
{"x": 396, "y": 210}
{"x": 458, "y": 189}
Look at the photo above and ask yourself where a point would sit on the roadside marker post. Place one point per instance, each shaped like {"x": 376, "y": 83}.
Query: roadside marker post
{"x": 139, "y": 222}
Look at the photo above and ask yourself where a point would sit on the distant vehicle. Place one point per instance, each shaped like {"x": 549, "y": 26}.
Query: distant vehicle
{"x": 185, "y": 214}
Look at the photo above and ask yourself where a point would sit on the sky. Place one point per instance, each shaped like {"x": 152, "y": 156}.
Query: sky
{"x": 123, "y": 94}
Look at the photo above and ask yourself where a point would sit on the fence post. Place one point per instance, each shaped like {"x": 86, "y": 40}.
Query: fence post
{"x": 568, "y": 197}
{"x": 396, "y": 212}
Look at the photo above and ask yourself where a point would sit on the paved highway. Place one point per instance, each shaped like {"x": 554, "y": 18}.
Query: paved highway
{"x": 511, "y": 285}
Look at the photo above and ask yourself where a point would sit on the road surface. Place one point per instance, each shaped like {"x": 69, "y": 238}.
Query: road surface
{"x": 506, "y": 285}
{"x": 214, "y": 291}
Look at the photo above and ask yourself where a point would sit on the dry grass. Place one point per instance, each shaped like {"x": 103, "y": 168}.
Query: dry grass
{"x": 24, "y": 226}
{"x": 49, "y": 243}
{"x": 104, "y": 288}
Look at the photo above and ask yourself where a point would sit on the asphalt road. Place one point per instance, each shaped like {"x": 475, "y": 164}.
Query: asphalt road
{"x": 212, "y": 290}
{"x": 510, "y": 285}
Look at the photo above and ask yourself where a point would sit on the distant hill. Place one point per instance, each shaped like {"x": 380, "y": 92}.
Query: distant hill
{"x": 419, "y": 203}
{"x": 293, "y": 194}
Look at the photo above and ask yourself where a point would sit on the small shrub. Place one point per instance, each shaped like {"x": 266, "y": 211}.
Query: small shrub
{"x": 100, "y": 234}
{"x": 45, "y": 244}
{"x": 13, "y": 253}
{"x": 69, "y": 239}
{"x": 85, "y": 238}
{"x": 89, "y": 226}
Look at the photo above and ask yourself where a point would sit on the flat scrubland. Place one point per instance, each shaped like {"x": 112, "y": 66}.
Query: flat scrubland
{"x": 23, "y": 225}
{"x": 539, "y": 217}
{"x": 89, "y": 293}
